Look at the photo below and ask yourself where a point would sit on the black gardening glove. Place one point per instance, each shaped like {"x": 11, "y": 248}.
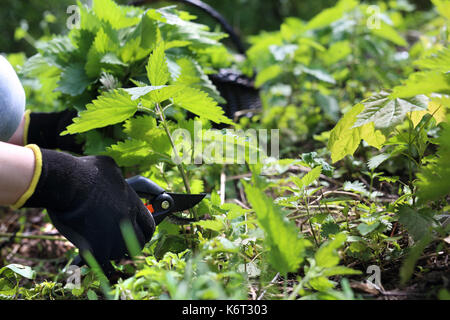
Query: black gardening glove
{"x": 87, "y": 198}
{"x": 44, "y": 130}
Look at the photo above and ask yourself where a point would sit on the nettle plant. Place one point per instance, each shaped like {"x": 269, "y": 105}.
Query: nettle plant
{"x": 309, "y": 71}
{"x": 409, "y": 122}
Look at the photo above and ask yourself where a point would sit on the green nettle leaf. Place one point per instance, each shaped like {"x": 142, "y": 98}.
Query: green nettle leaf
{"x": 109, "y": 11}
{"x": 425, "y": 82}
{"x": 73, "y": 80}
{"x": 365, "y": 229}
{"x": 443, "y": 7}
{"x": 110, "y": 108}
{"x": 267, "y": 74}
{"x": 375, "y": 161}
{"x": 417, "y": 222}
{"x": 387, "y": 32}
{"x": 440, "y": 61}
{"x": 192, "y": 75}
{"x": 343, "y": 139}
{"x": 157, "y": 70}
{"x": 355, "y": 186}
{"x": 101, "y": 46}
{"x": 201, "y": 104}
{"x": 162, "y": 94}
{"x": 286, "y": 249}
{"x": 330, "y": 15}
{"x": 130, "y": 152}
{"x": 385, "y": 112}
{"x": 317, "y": 73}
{"x": 214, "y": 225}
{"x": 327, "y": 255}
{"x": 139, "y": 92}
{"x": 24, "y": 271}
{"x": 140, "y": 127}
{"x": 434, "y": 179}
{"x": 407, "y": 269}
{"x": 308, "y": 178}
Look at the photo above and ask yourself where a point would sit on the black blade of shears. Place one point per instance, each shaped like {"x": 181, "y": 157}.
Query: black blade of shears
{"x": 185, "y": 201}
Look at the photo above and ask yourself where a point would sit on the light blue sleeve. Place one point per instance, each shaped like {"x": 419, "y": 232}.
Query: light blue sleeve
{"x": 12, "y": 100}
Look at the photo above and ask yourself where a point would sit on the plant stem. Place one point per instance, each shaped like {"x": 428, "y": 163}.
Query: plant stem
{"x": 24, "y": 236}
{"x": 178, "y": 160}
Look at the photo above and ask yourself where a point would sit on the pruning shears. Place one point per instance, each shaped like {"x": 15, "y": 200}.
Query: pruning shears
{"x": 162, "y": 204}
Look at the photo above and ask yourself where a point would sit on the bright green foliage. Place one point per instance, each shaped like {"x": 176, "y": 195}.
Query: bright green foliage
{"x": 135, "y": 75}
{"x": 328, "y": 16}
{"x": 434, "y": 179}
{"x": 157, "y": 70}
{"x": 345, "y": 137}
{"x": 286, "y": 249}
{"x": 327, "y": 256}
{"x": 308, "y": 178}
{"x": 199, "y": 103}
{"x": 387, "y": 113}
{"x": 110, "y": 108}
{"x": 418, "y": 223}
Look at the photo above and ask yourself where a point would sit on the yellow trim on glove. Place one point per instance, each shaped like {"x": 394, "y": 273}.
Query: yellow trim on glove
{"x": 26, "y": 127}
{"x": 34, "y": 181}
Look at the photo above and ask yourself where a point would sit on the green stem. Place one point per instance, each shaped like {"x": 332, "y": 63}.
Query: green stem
{"x": 178, "y": 160}
{"x": 39, "y": 237}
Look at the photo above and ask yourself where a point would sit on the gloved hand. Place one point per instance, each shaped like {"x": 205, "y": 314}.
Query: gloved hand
{"x": 44, "y": 130}
{"x": 87, "y": 198}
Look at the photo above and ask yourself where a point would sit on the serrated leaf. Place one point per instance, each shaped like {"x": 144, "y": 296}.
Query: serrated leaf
{"x": 407, "y": 268}
{"x": 355, "y": 186}
{"x": 329, "y": 228}
{"x": 201, "y": 104}
{"x": 192, "y": 75}
{"x": 339, "y": 270}
{"x": 375, "y": 161}
{"x": 385, "y": 31}
{"x": 423, "y": 83}
{"x": 24, "y": 271}
{"x": 417, "y": 222}
{"x": 317, "y": 73}
{"x": 110, "y": 108}
{"x": 214, "y": 225}
{"x": 434, "y": 179}
{"x": 160, "y": 95}
{"x": 139, "y": 92}
{"x": 385, "y": 112}
{"x": 157, "y": 70}
{"x": 267, "y": 74}
{"x": 286, "y": 249}
{"x": 443, "y": 7}
{"x": 343, "y": 140}
{"x": 74, "y": 80}
{"x": 327, "y": 255}
{"x": 140, "y": 127}
{"x": 365, "y": 229}
{"x": 435, "y": 108}
{"x": 308, "y": 178}
{"x": 330, "y": 15}
{"x": 439, "y": 61}
{"x": 130, "y": 152}
{"x": 109, "y": 11}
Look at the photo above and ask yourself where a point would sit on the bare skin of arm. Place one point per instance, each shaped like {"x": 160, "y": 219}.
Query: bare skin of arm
{"x": 17, "y": 165}
{"x": 17, "y": 138}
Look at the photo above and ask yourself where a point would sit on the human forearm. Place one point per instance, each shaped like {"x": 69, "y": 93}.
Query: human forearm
{"x": 17, "y": 165}
{"x": 18, "y": 137}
